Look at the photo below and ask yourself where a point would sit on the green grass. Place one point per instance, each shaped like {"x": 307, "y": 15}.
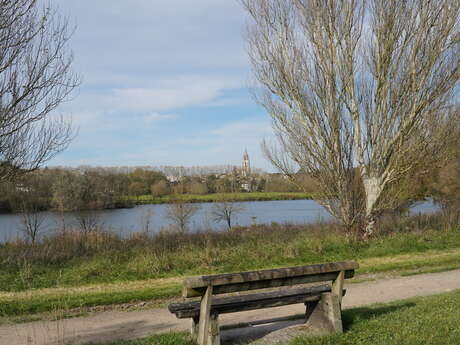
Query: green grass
{"x": 159, "y": 290}
{"x": 431, "y": 320}
{"x": 216, "y": 197}
{"x": 66, "y": 299}
{"x": 420, "y": 321}
{"x": 174, "y": 256}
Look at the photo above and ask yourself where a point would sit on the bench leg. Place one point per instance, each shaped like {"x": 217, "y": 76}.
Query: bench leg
{"x": 337, "y": 286}
{"x": 325, "y": 316}
{"x": 214, "y": 331}
{"x": 194, "y": 329}
{"x": 205, "y": 316}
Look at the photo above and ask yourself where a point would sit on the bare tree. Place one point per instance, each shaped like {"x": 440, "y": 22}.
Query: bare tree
{"x": 181, "y": 213}
{"x": 360, "y": 93}
{"x": 35, "y": 77}
{"x": 226, "y": 211}
{"x": 88, "y": 222}
{"x": 445, "y": 181}
{"x": 32, "y": 222}
{"x": 146, "y": 219}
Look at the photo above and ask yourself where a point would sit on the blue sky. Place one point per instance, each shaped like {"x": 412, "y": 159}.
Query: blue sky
{"x": 164, "y": 83}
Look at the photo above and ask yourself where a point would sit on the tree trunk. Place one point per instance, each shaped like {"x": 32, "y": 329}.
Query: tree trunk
{"x": 369, "y": 227}
{"x": 373, "y": 188}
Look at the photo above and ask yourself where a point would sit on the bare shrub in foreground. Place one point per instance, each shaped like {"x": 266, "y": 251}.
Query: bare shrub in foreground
{"x": 32, "y": 222}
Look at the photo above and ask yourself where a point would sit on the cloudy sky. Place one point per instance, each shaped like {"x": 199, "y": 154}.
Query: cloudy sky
{"x": 164, "y": 83}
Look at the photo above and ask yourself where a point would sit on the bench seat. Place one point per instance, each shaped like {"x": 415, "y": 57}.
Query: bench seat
{"x": 251, "y": 302}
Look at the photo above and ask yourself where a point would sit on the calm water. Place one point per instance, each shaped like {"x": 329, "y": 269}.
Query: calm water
{"x": 126, "y": 221}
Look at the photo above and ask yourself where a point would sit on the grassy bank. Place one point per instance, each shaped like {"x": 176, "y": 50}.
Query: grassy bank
{"x": 70, "y": 270}
{"x": 161, "y": 290}
{"x": 130, "y": 201}
{"x": 217, "y": 197}
{"x": 428, "y": 320}
{"x": 73, "y": 258}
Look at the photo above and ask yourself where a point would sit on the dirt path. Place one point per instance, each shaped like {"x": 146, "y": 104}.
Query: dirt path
{"x": 116, "y": 325}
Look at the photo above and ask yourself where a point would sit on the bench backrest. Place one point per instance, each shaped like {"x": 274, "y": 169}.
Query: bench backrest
{"x": 255, "y": 280}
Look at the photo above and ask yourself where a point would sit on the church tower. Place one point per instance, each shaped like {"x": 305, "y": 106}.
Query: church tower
{"x": 246, "y": 164}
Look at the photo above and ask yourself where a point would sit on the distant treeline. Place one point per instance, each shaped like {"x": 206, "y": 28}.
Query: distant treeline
{"x": 86, "y": 188}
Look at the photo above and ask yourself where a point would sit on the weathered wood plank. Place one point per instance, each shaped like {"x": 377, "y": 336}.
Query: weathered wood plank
{"x": 243, "y": 277}
{"x": 214, "y": 330}
{"x": 251, "y": 302}
{"x": 249, "y": 306}
{"x": 269, "y": 283}
{"x": 205, "y": 313}
{"x": 311, "y": 290}
{"x": 337, "y": 286}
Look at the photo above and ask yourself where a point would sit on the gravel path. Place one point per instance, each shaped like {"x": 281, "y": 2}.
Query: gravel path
{"x": 114, "y": 325}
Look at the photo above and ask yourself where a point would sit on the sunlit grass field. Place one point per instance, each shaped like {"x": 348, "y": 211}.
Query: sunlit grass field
{"x": 217, "y": 197}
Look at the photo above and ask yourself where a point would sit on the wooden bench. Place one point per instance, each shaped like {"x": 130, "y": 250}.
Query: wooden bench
{"x": 323, "y": 302}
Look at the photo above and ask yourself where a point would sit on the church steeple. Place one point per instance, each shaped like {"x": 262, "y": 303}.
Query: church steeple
{"x": 246, "y": 164}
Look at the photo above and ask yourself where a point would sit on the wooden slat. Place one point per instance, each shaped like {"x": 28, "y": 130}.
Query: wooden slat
{"x": 265, "y": 284}
{"x": 243, "y": 277}
{"x": 251, "y": 302}
{"x": 205, "y": 315}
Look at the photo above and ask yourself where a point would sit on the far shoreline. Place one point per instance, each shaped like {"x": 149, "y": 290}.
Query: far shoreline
{"x": 132, "y": 201}
{"x": 220, "y": 197}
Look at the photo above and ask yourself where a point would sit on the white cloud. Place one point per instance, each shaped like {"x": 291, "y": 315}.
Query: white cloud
{"x": 85, "y": 119}
{"x": 162, "y": 96}
{"x": 232, "y": 138}
{"x": 244, "y": 129}
{"x": 118, "y": 39}
{"x": 172, "y": 93}
{"x": 156, "y": 117}
{"x": 223, "y": 145}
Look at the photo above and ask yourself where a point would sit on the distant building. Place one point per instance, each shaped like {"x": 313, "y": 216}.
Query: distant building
{"x": 246, "y": 169}
{"x": 246, "y": 172}
{"x": 173, "y": 179}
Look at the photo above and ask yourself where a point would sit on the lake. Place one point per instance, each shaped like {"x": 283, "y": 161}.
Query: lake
{"x": 129, "y": 220}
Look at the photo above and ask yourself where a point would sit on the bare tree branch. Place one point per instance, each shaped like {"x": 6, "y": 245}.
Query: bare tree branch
{"x": 35, "y": 78}
{"x": 226, "y": 211}
{"x": 181, "y": 213}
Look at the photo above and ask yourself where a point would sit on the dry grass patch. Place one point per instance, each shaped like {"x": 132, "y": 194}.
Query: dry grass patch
{"x": 94, "y": 288}
{"x": 447, "y": 259}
